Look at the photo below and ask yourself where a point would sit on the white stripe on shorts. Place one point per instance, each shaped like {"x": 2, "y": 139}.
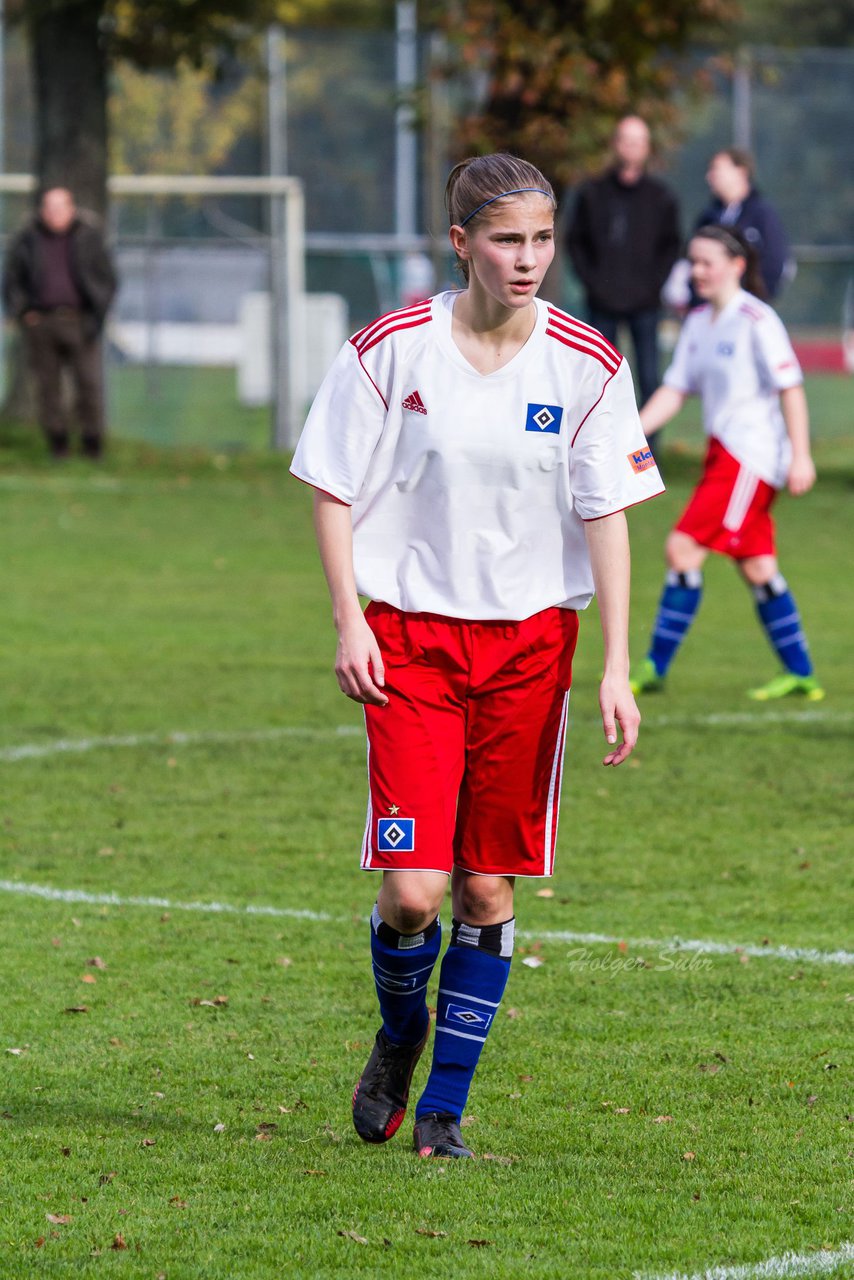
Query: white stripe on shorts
{"x": 366, "y": 838}
{"x": 743, "y": 493}
{"x": 553, "y": 804}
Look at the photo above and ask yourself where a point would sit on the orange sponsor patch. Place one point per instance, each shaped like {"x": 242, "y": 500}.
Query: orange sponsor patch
{"x": 641, "y": 459}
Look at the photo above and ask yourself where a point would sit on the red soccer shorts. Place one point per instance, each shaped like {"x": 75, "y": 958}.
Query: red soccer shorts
{"x": 730, "y": 510}
{"x": 465, "y": 761}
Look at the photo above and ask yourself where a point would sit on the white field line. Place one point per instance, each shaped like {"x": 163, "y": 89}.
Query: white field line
{"x": 61, "y": 746}
{"x": 820, "y": 1263}
{"x": 51, "y": 894}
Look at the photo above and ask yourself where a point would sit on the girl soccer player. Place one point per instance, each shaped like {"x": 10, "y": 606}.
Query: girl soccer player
{"x": 472, "y": 457}
{"x": 735, "y": 354}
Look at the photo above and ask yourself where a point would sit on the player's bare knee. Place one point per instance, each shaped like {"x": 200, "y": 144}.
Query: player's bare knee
{"x": 409, "y": 903}
{"x": 483, "y": 900}
{"x": 757, "y": 570}
{"x": 683, "y": 553}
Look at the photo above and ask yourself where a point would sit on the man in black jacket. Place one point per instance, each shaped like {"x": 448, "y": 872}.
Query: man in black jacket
{"x": 58, "y": 283}
{"x": 623, "y": 239}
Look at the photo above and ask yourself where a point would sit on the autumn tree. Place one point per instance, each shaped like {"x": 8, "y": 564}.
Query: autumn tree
{"x": 75, "y": 46}
{"x": 560, "y": 73}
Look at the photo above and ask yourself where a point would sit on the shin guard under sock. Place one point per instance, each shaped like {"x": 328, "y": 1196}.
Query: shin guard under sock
{"x": 402, "y": 964}
{"x": 781, "y": 621}
{"x": 472, "y": 979}
{"x": 677, "y": 608}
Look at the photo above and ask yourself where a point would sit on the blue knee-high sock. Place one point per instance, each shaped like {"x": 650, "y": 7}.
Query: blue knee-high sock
{"x": 472, "y": 979}
{"x": 402, "y": 964}
{"x": 779, "y": 615}
{"x": 677, "y": 607}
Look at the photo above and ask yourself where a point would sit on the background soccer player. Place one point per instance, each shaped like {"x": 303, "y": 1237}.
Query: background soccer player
{"x": 471, "y": 457}
{"x": 735, "y": 354}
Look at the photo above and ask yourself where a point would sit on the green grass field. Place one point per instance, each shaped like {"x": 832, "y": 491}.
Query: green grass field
{"x": 176, "y": 757}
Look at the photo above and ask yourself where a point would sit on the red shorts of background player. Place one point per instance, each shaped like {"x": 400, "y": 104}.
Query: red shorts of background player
{"x": 730, "y": 510}
{"x": 465, "y": 761}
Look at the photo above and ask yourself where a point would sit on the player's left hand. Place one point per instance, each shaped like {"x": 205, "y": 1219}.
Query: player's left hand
{"x": 618, "y": 707}
{"x": 801, "y": 475}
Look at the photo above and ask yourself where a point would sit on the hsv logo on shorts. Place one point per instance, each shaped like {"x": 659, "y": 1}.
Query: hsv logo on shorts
{"x": 414, "y": 403}
{"x": 544, "y": 418}
{"x": 396, "y": 835}
{"x": 641, "y": 460}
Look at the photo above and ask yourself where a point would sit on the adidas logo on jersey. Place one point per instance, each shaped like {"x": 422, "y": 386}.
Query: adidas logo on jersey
{"x": 414, "y": 403}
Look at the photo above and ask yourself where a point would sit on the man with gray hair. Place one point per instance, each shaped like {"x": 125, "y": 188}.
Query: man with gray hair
{"x": 58, "y": 284}
{"x": 623, "y": 238}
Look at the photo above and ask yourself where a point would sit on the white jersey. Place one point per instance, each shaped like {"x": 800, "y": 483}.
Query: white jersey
{"x": 738, "y": 362}
{"x": 469, "y": 491}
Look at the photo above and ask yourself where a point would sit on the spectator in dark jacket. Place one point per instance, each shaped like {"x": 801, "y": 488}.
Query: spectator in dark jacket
{"x": 623, "y": 239}
{"x": 738, "y": 204}
{"x": 58, "y": 283}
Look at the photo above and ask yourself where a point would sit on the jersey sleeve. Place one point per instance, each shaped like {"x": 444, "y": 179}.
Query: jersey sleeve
{"x": 611, "y": 464}
{"x": 680, "y": 375}
{"x": 774, "y": 353}
{"x": 342, "y": 430}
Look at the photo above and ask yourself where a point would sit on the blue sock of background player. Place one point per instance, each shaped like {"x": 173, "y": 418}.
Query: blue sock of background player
{"x": 677, "y": 609}
{"x": 472, "y": 978}
{"x": 781, "y": 621}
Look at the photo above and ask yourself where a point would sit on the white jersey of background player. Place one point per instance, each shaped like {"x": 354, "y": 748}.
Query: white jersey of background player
{"x": 735, "y": 354}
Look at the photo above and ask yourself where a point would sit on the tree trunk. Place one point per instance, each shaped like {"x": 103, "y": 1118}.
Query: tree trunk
{"x": 69, "y": 60}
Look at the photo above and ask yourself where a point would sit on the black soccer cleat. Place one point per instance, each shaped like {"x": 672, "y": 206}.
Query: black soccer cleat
{"x": 438, "y": 1134}
{"x": 380, "y": 1097}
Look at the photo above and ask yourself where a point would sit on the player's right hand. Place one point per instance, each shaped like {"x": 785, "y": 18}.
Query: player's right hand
{"x": 359, "y": 665}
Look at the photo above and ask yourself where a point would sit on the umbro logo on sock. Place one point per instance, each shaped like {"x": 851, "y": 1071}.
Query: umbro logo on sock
{"x": 414, "y": 403}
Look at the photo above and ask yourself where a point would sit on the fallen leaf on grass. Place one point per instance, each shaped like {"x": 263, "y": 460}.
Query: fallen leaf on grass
{"x": 17, "y": 1052}
{"x": 487, "y": 1155}
{"x": 119, "y": 1241}
{"x": 284, "y": 961}
{"x": 688, "y": 1155}
{"x": 545, "y": 893}
{"x": 533, "y": 962}
{"x": 66, "y": 1151}
{"x": 58, "y": 1219}
{"x": 219, "y": 1128}
{"x": 148, "y": 1142}
{"x": 661, "y": 1119}
{"x": 217, "y": 1002}
{"x": 315, "y": 1173}
{"x": 514, "y": 1013}
{"x": 178, "y": 1202}
{"x": 106, "y": 1177}
{"x": 468, "y": 1121}
{"x": 263, "y": 1137}
{"x": 479, "y": 1244}
{"x": 40, "y": 1242}
{"x": 712, "y": 1067}
{"x": 96, "y": 962}
{"x": 88, "y": 977}
{"x": 434, "y": 1235}
{"x": 353, "y": 1235}
{"x": 77, "y": 1008}
{"x": 621, "y": 1111}
{"x": 267, "y": 1124}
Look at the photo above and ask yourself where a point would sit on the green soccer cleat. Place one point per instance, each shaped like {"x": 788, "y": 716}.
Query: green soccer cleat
{"x": 787, "y": 685}
{"x": 645, "y": 678}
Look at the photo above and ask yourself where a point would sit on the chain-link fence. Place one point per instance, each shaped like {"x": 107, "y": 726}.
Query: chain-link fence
{"x": 335, "y": 123}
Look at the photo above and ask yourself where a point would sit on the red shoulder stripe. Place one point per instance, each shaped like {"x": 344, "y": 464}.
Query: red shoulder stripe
{"x": 392, "y": 328}
{"x": 748, "y": 311}
{"x": 608, "y": 362}
{"x": 564, "y": 319}
{"x": 391, "y": 318}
